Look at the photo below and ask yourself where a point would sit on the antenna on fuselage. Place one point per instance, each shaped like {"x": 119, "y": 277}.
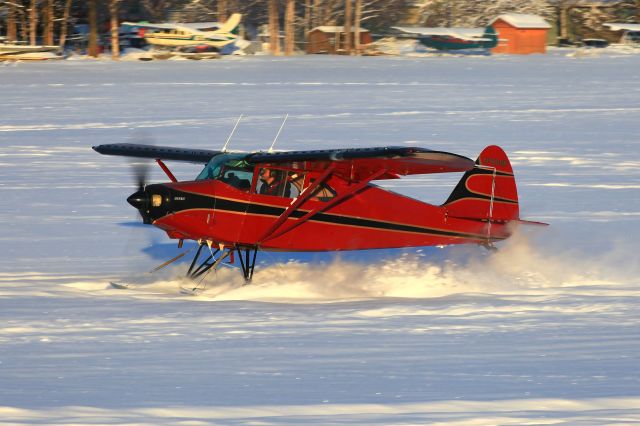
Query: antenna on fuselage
{"x": 276, "y": 138}
{"x": 224, "y": 148}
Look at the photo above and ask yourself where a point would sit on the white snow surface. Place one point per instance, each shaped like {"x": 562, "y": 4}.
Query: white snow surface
{"x": 545, "y": 331}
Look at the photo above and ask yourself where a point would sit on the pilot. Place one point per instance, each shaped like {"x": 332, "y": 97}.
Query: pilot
{"x": 274, "y": 183}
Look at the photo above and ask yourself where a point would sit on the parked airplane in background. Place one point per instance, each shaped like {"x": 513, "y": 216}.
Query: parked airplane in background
{"x": 452, "y": 38}
{"x": 211, "y": 34}
{"x": 630, "y": 32}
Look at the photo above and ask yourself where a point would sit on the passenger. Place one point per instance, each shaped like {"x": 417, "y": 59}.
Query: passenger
{"x": 274, "y": 183}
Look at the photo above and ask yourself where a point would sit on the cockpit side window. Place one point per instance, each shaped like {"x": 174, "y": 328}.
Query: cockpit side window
{"x": 323, "y": 192}
{"x": 279, "y": 183}
{"x": 297, "y": 180}
{"x": 237, "y": 177}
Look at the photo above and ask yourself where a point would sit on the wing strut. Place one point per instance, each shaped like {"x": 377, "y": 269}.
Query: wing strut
{"x": 166, "y": 170}
{"x": 304, "y": 196}
{"x": 328, "y": 205}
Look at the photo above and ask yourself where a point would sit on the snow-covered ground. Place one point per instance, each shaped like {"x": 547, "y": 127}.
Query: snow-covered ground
{"x": 546, "y": 331}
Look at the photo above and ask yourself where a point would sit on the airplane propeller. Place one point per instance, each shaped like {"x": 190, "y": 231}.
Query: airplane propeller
{"x": 140, "y": 171}
{"x": 140, "y": 198}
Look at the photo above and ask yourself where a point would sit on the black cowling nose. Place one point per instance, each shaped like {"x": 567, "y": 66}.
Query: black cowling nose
{"x": 139, "y": 200}
{"x": 152, "y": 201}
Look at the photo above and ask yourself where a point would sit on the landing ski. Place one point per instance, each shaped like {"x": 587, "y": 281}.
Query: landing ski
{"x": 121, "y": 286}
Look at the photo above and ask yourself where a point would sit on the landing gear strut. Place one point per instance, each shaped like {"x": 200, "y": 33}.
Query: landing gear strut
{"x": 247, "y": 257}
{"x": 247, "y": 264}
{"x": 209, "y": 262}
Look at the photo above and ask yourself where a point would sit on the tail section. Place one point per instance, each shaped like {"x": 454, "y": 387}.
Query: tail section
{"x": 231, "y": 25}
{"x": 488, "y": 191}
{"x": 490, "y": 38}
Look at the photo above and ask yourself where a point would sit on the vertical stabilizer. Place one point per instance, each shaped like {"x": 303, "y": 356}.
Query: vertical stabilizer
{"x": 231, "y": 25}
{"x": 488, "y": 191}
{"x": 491, "y": 38}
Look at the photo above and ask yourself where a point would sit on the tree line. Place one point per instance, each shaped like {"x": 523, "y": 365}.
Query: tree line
{"x": 50, "y": 22}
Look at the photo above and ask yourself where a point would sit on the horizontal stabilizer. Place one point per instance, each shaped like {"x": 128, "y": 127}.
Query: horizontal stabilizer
{"x": 530, "y": 222}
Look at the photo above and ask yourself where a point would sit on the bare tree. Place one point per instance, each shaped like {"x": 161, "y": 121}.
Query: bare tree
{"x": 236, "y": 6}
{"x": 49, "y": 20}
{"x": 379, "y": 14}
{"x": 330, "y": 13}
{"x": 92, "y": 49}
{"x": 289, "y": 27}
{"x": 317, "y": 18}
{"x": 157, "y": 8}
{"x": 348, "y": 17}
{"x": 115, "y": 42}
{"x": 274, "y": 27}
{"x": 33, "y": 22}
{"x": 308, "y": 15}
{"x": 562, "y": 11}
{"x": 24, "y": 27}
{"x": 197, "y": 10}
{"x": 222, "y": 10}
{"x": 475, "y": 13}
{"x": 358, "y": 18}
{"x": 12, "y": 26}
{"x": 64, "y": 23}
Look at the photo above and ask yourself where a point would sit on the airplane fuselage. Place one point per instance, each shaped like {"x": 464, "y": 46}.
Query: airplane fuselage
{"x": 375, "y": 218}
{"x": 174, "y": 40}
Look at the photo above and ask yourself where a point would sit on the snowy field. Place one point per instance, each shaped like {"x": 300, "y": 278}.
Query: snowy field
{"x": 545, "y": 331}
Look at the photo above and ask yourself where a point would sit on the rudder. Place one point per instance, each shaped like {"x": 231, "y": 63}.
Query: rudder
{"x": 231, "y": 25}
{"x": 486, "y": 192}
{"x": 491, "y": 38}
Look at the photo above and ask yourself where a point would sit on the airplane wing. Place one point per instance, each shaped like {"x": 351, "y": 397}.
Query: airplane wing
{"x": 165, "y": 26}
{"x": 187, "y": 28}
{"x": 202, "y": 26}
{"x": 157, "y": 152}
{"x": 360, "y": 163}
{"x": 353, "y": 164}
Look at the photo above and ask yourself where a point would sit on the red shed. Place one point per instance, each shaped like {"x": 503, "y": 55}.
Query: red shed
{"x": 520, "y": 33}
{"x": 331, "y": 39}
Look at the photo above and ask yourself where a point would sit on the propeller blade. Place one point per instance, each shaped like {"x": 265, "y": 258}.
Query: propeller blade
{"x": 140, "y": 174}
{"x": 140, "y": 171}
{"x": 141, "y": 168}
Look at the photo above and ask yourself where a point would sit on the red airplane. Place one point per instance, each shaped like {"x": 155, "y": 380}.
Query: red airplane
{"x": 322, "y": 200}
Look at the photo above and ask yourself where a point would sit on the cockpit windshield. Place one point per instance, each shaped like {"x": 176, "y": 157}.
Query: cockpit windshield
{"x": 215, "y": 166}
{"x": 229, "y": 168}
